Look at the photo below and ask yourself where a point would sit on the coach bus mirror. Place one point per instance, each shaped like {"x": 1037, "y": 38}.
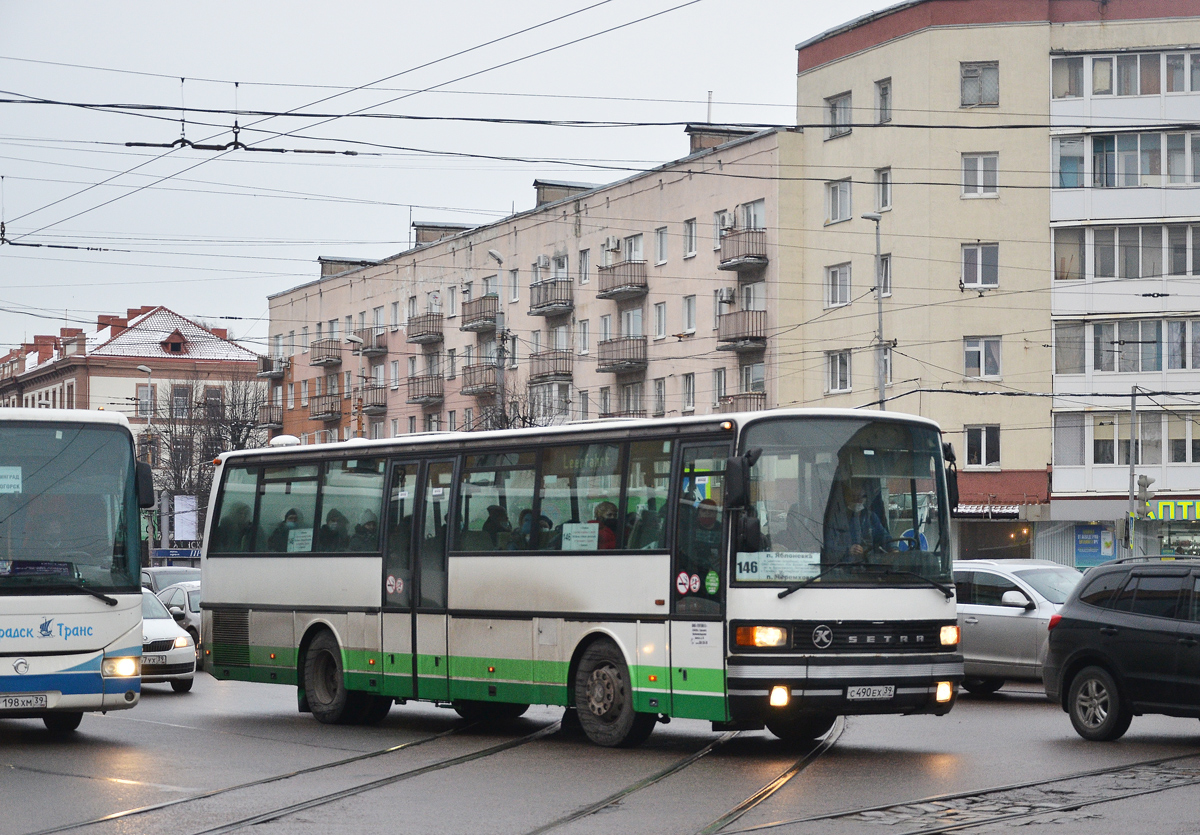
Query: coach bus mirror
{"x": 145, "y": 485}
{"x": 749, "y": 533}
{"x": 737, "y": 479}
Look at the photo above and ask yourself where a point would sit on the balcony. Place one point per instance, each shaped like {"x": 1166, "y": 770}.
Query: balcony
{"x": 624, "y": 413}
{"x": 480, "y": 314}
{"x": 551, "y": 366}
{"x": 551, "y": 298}
{"x": 374, "y": 400}
{"x": 479, "y": 379}
{"x": 270, "y": 417}
{"x": 742, "y": 330}
{"x": 623, "y": 280}
{"x": 425, "y": 389}
{"x": 325, "y": 352}
{"x": 425, "y": 329}
{"x": 374, "y": 341}
{"x": 743, "y": 249}
{"x": 272, "y": 368}
{"x": 625, "y": 353}
{"x": 746, "y": 401}
{"x": 327, "y": 407}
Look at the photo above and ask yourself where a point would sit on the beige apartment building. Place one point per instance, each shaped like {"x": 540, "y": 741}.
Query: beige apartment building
{"x": 656, "y": 295}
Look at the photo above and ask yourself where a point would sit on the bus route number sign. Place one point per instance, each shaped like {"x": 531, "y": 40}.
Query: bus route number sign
{"x": 785, "y": 566}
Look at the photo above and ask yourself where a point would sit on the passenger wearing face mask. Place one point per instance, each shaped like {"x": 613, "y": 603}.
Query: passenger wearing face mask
{"x": 852, "y": 529}
{"x": 278, "y": 540}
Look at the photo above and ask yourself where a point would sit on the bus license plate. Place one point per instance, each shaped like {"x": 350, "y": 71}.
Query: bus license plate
{"x": 148, "y": 660}
{"x": 871, "y": 692}
{"x": 28, "y": 701}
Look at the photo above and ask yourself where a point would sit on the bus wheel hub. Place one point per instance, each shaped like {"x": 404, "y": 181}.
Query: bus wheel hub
{"x": 602, "y": 691}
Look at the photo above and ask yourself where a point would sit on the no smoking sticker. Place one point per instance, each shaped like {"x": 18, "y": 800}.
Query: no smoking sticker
{"x": 391, "y": 584}
{"x": 682, "y": 582}
{"x": 695, "y": 583}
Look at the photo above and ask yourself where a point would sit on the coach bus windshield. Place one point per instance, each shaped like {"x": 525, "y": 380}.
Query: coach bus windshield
{"x": 68, "y": 511}
{"x": 847, "y": 502}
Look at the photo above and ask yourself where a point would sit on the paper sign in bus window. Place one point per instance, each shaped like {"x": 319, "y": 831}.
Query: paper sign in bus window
{"x": 10, "y": 479}
{"x": 300, "y": 540}
{"x": 580, "y": 536}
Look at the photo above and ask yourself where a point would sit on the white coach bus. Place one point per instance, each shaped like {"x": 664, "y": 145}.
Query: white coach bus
{"x": 773, "y": 568}
{"x": 70, "y": 600}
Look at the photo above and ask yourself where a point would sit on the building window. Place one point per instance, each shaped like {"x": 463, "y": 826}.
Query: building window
{"x": 718, "y": 385}
{"x": 583, "y": 405}
{"x": 468, "y": 418}
{"x": 181, "y": 401}
{"x": 837, "y": 285}
{"x": 689, "y": 314}
{"x": 981, "y": 265}
{"x": 1130, "y": 346}
{"x": 660, "y": 320}
{"x": 883, "y": 101}
{"x": 838, "y": 371}
{"x": 451, "y": 301}
{"x": 982, "y": 356}
{"x": 395, "y": 315}
{"x": 883, "y": 190}
{"x": 980, "y": 83}
{"x": 451, "y": 363}
{"x": 605, "y": 398}
{"x": 395, "y": 374}
{"x": 754, "y": 214}
{"x": 514, "y": 285}
{"x": 689, "y": 392}
{"x": 412, "y": 424}
{"x": 1068, "y": 254}
{"x": 633, "y": 248}
{"x": 606, "y": 327}
{"x": 585, "y": 335}
{"x": 837, "y": 201}
{"x": 1068, "y": 162}
{"x": 304, "y": 340}
{"x": 837, "y": 110}
{"x": 1069, "y": 343}
{"x": 585, "y": 266}
{"x": 1066, "y": 77}
{"x": 145, "y": 400}
{"x": 754, "y": 377}
{"x": 631, "y": 322}
{"x": 983, "y": 446}
{"x": 304, "y": 392}
{"x": 689, "y": 238}
{"x": 660, "y": 245}
{"x": 660, "y": 396}
{"x": 1130, "y": 160}
{"x": 979, "y": 178}
{"x": 1068, "y": 439}
{"x": 885, "y": 274}
{"x": 452, "y": 420}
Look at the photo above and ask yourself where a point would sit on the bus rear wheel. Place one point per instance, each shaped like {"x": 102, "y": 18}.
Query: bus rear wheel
{"x": 62, "y": 723}
{"x": 474, "y": 711}
{"x": 325, "y": 682}
{"x": 604, "y": 699}
{"x": 801, "y": 726}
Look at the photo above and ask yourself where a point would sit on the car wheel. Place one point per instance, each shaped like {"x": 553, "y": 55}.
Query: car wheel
{"x": 62, "y": 723}
{"x": 801, "y": 725}
{"x": 181, "y": 685}
{"x": 1096, "y": 706}
{"x": 604, "y": 699}
{"x": 982, "y": 686}
{"x": 325, "y": 682}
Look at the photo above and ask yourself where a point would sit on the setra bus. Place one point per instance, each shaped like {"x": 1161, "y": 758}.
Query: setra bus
{"x": 70, "y": 541}
{"x": 629, "y": 570}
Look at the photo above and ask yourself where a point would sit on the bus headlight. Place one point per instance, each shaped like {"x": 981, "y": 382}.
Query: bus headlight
{"x": 949, "y": 636}
{"x": 761, "y": 636}
{"x": 944, "y": 691}
{"x": 780, "y": 696}
{"x": 183, "y": 641}
{"x": 121, "y": 667}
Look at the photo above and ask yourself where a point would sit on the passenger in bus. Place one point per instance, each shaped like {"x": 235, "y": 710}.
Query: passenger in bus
{"x": 852, "y": 528}
{"x": 334, "y": 535}
{"x": 496, "y": 524}
{"x": 606, "y": 518}
{"x": 706, "y": 538}
{"x": 366, "y": 533}
{"x": 233, "y": 534}
{"x": 523, "y": 538}
{"x": 278, "y": 540}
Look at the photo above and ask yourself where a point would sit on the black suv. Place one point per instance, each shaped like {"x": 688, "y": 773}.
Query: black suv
{"x": 1127, "y": 642}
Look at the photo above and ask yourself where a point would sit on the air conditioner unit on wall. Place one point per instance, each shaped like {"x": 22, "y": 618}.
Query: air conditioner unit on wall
{"x": 727, "y": 221}
{"x": 543, "y": 262}
{"x": 726, "y": 295}
{"x": 612, "y": 243}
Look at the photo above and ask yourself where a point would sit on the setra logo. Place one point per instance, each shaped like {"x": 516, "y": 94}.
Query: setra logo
{"x": 21, "y": 666}
{"x": 822, "y": 637}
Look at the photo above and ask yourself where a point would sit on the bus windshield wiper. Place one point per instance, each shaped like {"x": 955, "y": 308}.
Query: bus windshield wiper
{"x": 78, "y": 585}
{"x": 943, "y": 588}
{"x": 810, "y": 580}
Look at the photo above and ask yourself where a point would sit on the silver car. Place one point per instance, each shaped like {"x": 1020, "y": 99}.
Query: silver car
{"x": 185, "y": 598}
{"x": 1004, "y": 607}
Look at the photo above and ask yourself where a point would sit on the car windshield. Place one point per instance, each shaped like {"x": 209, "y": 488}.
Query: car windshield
{"x": 856, "y": 501}
{"x": 1054, "y": 584}
{"x": 152, "y": 607}
{"x": 194, "y": 601}
{"x": 67, "y": 512}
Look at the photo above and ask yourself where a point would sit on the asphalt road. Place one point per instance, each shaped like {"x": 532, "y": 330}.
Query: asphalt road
{"x": 233, "y": 756}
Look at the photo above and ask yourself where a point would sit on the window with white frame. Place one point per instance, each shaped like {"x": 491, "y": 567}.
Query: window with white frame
{"x": 395, "y": 427}
{"x": 1068, "y": 254}
{"x": 718, "y": 385}
{"x": 583, "y": 405}
{"x": 721, "y": 224}
{"x": 979, "y": 83}
{"x": 395, "y": 315}
{"x": 837, "y": 378}
{"x": 689, "y": 314}
{"x": 689, "y": 237}
{"x": 1069, "y": 439}
{"x": 451, "y": 300}
{"x": 395, "y": 374}
{"x": 1066, "y": 77}
{"x": 633, "y": 248}
{"x": 885, "y": 270}
{"x": 451, "y": 363}
{"x": 1069, "y": 347}
{"x": 514, "y": 285}
{"x": 883, "y": 189}
{"x": 631, "y": 322}
{"x": 754, "y": 377}
{"x": 660, "y": 396}
{"x": 980, "y": 265}
{"x": 754, "y": 214}
{"x": 689, "y": 392}
{"x": 304, "y": 392}
{"x": 837, "y": 285}
{"x": 837, "y": 201}
{"x": 754, "y": 295}
{"x": 837, "y": 115}
{"x": 1127, "y": 346}
{"x": 468, "y": 418}
{"x": 979, "y": 175}
{"x": 584, "y": 330}
{"x": 291, "y": 395}
{"x": 412, "y": 424}
{"x": 304, "y": 340}
{"x": 606, "y": 327}
{"x": 983, "y": 446}
{"x": 605, "y": 403}
{"x": 491, "y": 285}
{"x": 660, "y": 245}
{"x": 883, "y": 100}
{"x": 585, "y": 266}
{"x": 558, "y": 267}
{"x": 981, "y": 356}
{"x": 660, "y": 320}
{"x": 1068, "y": 153}
{"x": 452, "y": 420}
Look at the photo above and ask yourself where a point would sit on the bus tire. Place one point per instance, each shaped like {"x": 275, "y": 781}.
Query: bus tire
{"x": 604, "y": 699}
{"x": 475, "y": 711}
{"x": 374, "y": 709}
{"x": 801, "y": 725}
{"x": 325, "y": 682}
{"x": 62, "y": 723}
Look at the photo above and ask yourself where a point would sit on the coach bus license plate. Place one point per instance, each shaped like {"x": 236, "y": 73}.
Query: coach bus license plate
{"x": 148, "y": 660}
{"x": 23, "y": 702}
{"x": 871, "y": 692}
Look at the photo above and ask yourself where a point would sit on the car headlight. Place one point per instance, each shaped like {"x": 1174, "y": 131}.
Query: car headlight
{"x": 121, "y": 667}
{"x": 183, "y": 641}
{"x": 949, "y": 636}
{"x": 761, "y": 636}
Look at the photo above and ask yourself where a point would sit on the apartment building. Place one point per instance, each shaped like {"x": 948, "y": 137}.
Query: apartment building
{"x": 655, "y": 295}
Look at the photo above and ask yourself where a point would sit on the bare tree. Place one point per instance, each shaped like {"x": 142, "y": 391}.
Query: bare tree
{"x": 526, "y": 406}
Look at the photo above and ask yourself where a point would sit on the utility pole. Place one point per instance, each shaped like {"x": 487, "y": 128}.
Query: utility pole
{"x": 356, "y": 340}
{"x": 1133, "y": 445}
{"x": 501, "y": 343}
{"x": 880, "y": 349}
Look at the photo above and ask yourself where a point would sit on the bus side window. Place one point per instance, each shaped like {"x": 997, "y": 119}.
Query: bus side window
{"x": 402, "y": 499}
{"x": 495, "y": 488}
{"x": 235, "y": 528}
{"x": 439, "y": 479}
{"x": 286, "y": 519}
{"x": 350, "y": 502}
{"x": 580, "y": 489}
{"x": 647, "y": 487}
{"x": 699, "y": 571}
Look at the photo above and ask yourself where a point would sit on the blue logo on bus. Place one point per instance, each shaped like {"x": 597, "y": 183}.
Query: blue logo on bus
{"x": 46, "y": 632}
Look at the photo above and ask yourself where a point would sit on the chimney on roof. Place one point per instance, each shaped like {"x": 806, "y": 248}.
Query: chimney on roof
{"x": 220, "y": 333}
{"x": 704, "y": 135}
{"x": 428, "y": 233}
{"x": 108, "y": 320}
{"x": 550, "y": 191}
{"x": 73, "y": 341}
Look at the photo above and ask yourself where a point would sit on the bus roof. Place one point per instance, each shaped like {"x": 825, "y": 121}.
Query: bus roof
{"x": 739, "y": 419}
{"x": 65, "y": 416}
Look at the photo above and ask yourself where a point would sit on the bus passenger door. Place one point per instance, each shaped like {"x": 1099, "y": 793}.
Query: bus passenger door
{"x": 433, "y": 680}
{"x": 398, "y": 578}
{"x": 698, "y": 576}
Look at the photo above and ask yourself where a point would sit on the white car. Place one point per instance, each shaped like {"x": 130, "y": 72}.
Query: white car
{"x": 168, "y": 652}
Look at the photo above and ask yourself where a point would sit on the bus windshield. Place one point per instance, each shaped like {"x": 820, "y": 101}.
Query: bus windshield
{"x": 847, "y": 502}
{"x": 67, "y": 508}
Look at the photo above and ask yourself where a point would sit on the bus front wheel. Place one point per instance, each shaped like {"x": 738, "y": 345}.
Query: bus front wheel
{"x": 61, "y": 723}
{"x": 325, "y": 682}
{"x": 801, "y": 726}
{"x": 604, "y": 699}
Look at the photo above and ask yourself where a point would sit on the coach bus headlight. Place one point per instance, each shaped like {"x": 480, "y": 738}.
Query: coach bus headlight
{"x": 121, "y": 667}
{"x": 761, "y": 636}
{"x": 944, "y": 691}
{"x": 780, "y": 696}
{"x": 950, "y": 636}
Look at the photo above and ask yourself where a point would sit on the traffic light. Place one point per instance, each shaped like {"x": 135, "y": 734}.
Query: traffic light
{"x": 1144, "y": 496}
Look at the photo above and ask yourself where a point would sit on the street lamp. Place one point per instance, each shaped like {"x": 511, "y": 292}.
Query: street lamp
{"x": 880, "y": 357}
{"x": 149, "y": 372}
{"x": 355, "y": 339}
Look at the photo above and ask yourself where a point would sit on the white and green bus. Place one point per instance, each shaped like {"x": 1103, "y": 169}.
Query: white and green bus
{"x": 629, "y": 571}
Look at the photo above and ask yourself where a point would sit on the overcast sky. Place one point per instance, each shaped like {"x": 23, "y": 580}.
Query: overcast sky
{"x": 211, "y": 234}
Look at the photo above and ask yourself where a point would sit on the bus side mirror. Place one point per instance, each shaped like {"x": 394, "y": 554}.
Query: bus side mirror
{"x": 145, "y": 485}
{"x": 951, "y": 475}
{"x": 749, "y": 533}
{"x": 737, "y": 479}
